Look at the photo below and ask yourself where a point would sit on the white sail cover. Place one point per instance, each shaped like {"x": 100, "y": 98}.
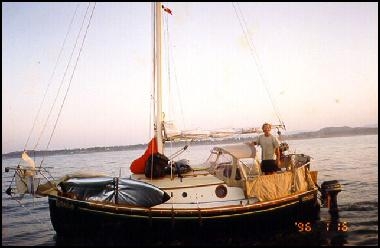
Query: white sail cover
{"x": 171, "y": 132}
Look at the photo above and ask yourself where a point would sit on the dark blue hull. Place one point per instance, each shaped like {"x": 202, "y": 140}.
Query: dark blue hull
{"x": 72, "y": 218}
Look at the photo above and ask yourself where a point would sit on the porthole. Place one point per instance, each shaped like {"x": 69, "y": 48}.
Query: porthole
{"x": 221, "y": 191}
{"x": 184, "y": 194}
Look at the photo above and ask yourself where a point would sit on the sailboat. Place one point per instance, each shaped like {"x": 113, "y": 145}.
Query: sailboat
{"x": 227, "y": 191}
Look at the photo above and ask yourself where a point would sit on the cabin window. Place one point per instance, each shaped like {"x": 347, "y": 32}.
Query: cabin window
{"x": 237, "y": 176}
{"x": 227, "y": 172}
{"x": 222, "y": 166}
{"x": 211, "y": 160}
{"x": 224, "y": 161}
{"x": 213, "y": 156}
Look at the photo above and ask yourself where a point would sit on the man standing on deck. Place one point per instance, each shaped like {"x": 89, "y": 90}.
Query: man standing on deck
{"x": 270, "y": 150}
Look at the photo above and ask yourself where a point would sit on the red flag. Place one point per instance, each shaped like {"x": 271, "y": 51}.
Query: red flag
{"x": 167, "y": 9}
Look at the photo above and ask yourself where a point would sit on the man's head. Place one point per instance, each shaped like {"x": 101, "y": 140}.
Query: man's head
{"x": 266, "y": 128}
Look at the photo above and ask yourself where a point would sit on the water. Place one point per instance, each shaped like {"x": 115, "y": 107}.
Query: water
{"x": 353, "y": 161}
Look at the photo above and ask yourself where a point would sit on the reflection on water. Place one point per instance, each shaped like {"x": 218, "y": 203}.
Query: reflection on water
{"x": 353, "y": 161}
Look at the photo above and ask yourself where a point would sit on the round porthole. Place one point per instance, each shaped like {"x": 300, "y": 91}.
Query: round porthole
{"x": 184, "y": 194}
{"x": 221, "y": 191}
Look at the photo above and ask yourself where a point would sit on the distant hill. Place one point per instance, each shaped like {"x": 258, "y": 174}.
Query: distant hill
{"x": 334, "y": 132}
{"x": 322, "y": 133}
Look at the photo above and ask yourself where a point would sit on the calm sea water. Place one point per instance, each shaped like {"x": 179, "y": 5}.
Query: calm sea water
{"x": 353, "y": 161}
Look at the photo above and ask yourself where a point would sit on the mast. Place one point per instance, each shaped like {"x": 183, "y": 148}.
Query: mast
{"x": 158, "y": 77}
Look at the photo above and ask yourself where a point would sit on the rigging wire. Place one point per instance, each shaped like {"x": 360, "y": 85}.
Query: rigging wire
{"x": 67, "y": 90}
{"x": 170, "y": 58}
{"x": 72, "y": 74}
{"x": 166, "y": 38}
{"x": 51, "y": 77}
{"x": 45, "y": 94}
{"x": 170, "y": 61}
{"x": 60, "y": 86}
{"x": 243, "y": 25}
{"x": 166, "y": 42}
{"x": 74, "y": 69}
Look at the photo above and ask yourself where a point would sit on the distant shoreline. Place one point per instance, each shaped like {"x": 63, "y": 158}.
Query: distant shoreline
{"x": 328, "y": 132}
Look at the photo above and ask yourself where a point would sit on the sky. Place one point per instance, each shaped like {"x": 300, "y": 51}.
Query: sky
{"x": 311, "y": 65}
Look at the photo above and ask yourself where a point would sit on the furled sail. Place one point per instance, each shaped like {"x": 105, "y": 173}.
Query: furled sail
{"x": 171, "y": 133}
{"x": 26, "y": 182}
{"x": 138, "y": 165}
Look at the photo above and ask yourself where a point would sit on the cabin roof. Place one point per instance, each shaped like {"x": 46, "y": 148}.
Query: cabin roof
{"x": 242, "y": 150}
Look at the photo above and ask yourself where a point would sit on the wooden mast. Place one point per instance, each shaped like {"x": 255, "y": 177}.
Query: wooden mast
{"x": 158, "y": 77}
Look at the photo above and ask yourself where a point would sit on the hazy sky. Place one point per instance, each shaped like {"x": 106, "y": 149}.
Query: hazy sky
{"x": 319, "y": 62}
